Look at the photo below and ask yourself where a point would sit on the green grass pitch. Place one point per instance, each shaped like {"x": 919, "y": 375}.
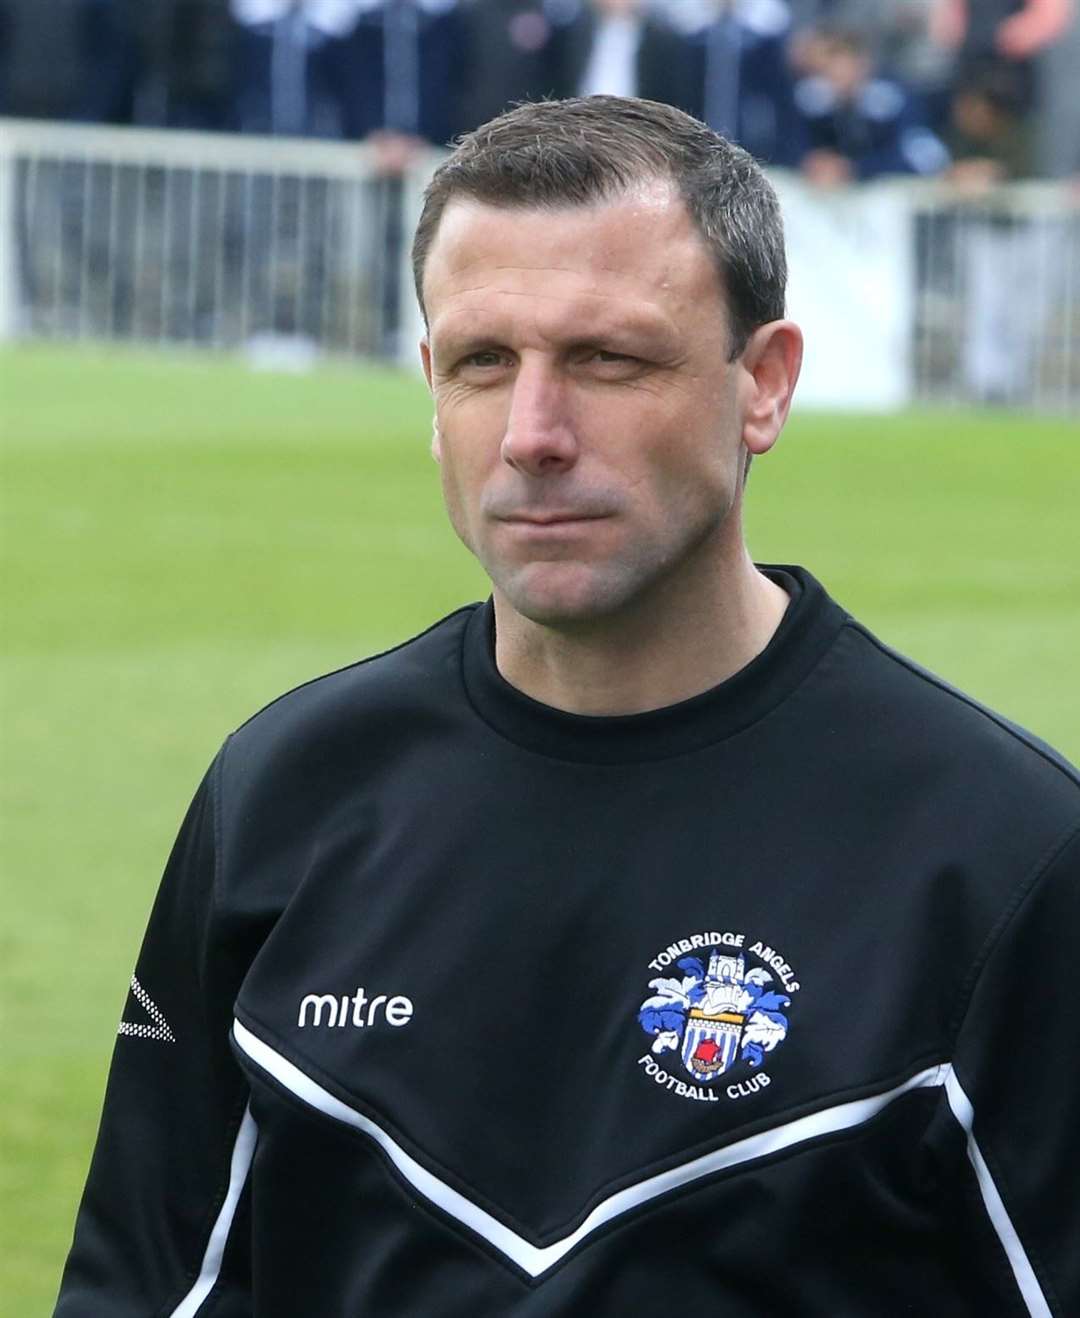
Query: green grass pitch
{"x": 185, "y": 539}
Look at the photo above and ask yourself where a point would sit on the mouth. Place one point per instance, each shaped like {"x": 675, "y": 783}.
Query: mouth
{"x": 541, "y": 520}
{"x": 552, "y": 528}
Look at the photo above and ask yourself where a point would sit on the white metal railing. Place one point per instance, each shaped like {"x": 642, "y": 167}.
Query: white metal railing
{"x": 907, "y": 290}
{"x": 204, "y": 239}
{"x": 910, "y": 291}
{"x": 997, "y": 317}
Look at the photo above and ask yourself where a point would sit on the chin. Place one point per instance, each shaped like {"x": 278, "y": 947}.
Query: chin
{"x": 563, "y": 596}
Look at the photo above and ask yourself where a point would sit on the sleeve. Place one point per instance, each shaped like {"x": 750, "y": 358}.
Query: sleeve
{"x": 160, "y": 1225}
{"x": 1015, "y": 1086}
{"x": 781, "y": 139}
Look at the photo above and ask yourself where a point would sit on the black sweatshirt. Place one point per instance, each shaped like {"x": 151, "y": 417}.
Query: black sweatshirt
{"x": 453, "y": 1005}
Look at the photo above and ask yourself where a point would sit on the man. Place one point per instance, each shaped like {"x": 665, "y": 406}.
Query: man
{"x": 285, "y": 54}
{"x": 379, "y": 69}
{"x": 618, "y": 47}
{"x": 649, "y": 935}
{"x": 902, "y": 37}
{"x": 1007, "y": 34}
{"x": 741, "y": 78}
{"x": 997, "y": 250}
{"x": 512, "y": 52}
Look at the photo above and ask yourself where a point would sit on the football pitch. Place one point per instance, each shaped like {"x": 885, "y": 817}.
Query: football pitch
{"x": 184, "y": 539}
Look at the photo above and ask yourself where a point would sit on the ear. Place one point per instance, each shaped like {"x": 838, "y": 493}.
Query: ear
{"x": 770, "y": 365}
{"x": 436, "y": 438}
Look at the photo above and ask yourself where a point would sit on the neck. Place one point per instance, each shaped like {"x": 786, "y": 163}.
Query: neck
{"x": 661, "y": 652}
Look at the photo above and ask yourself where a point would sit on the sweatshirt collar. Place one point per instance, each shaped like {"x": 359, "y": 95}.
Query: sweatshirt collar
{"x": 807, "y": 629}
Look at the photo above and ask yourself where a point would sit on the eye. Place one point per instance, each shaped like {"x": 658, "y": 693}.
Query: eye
{"x": 483, "y": 358}
{"x": 607, "y": 364}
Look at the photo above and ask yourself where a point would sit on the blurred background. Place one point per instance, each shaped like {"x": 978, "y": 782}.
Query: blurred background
{"x": 246, "y": 173}
{"x": 214, "y": 439}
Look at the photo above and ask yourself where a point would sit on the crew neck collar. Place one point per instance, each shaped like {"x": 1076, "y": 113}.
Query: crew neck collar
{"x": 809, "y": 625}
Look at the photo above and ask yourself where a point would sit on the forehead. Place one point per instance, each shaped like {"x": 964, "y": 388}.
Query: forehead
{"x": 639, "y": 253}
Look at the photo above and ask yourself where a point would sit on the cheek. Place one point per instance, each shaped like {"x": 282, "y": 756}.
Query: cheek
{"x": 450, "y": 479}
{"x": 462, "y": 473}
{"x": 696, "y": 471}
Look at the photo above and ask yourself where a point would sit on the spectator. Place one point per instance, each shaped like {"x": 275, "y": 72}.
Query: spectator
{"x": 1058, "y": 123}
{"x": 284, "y": 60}
{"x": 40, "y": 60}
{"x": 351, "y": 68}
{"x": 185, "y": 55}
{"x": 902, "y": 40}
{"x": 999, "y": 251}
{"x": 6, "y": 34}
{"x": 741, "y": 80}
{"x": 1001, "y": 33}
{"x": 398, "y": 76}
{"x": 399, "y": 79}
{"x": 514, "y": 53}
{"x": 110, "y": 60}
{"x": 118, "y": 61}
{"x": 990, "y": 137}
{"x": 613, "y": 47}
{"x": 855, "y": 123}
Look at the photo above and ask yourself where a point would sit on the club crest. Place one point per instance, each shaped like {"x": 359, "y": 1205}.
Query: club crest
{"x": 721, "y": 1015}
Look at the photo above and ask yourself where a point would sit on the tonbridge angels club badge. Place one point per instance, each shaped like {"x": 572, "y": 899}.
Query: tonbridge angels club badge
{"x": 718, "y": 1017}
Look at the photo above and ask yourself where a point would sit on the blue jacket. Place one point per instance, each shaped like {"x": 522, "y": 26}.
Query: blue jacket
{"x": 881, "y": 131}
{"x": 398, "y": 68}
{"x": 741, "y": 82}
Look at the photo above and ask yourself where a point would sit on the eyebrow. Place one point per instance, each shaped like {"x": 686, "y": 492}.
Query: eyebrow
{"x": 632, "y": 335}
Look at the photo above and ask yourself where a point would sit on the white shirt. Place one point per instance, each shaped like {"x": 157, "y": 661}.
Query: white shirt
{"x": 334, "y": 18}
{"x": 612, "y": 65}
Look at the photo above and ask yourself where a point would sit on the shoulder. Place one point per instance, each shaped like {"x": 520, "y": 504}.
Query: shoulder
{"x": 948, "y": 797}
{"x": 356, "y": 706}
{"x": 958, "y": 745}
{"x": 306, "y": 773}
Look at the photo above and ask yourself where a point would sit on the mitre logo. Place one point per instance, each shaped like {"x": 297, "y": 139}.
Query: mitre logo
{"x": 719, "y": 1016}
{"x": 336, "y": 1011}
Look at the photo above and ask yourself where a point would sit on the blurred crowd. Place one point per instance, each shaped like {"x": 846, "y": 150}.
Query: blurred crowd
{"x": 838, "y": 89}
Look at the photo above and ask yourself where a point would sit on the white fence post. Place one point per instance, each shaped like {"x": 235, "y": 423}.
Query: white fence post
{"x": 851, "y": 288}
{"x": 9, "y": 253}
{"x": 412, "y": 321}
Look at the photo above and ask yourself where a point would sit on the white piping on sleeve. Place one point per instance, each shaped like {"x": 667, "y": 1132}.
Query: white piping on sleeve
{"x": 534, "y": 1259}
{"x": 1024, "y": 1273}
{"x": 240, "y": 1165}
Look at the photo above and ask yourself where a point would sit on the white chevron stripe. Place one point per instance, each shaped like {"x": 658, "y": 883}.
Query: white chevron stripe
{"x": 1024, "y": 1273}
{"x": 243, "y": 1152}
{"x": 160, "y": 1028}
{"x": 536, "y": 1260}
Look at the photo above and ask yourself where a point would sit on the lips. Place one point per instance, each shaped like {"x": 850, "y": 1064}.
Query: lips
{"x": 552, "y": 519}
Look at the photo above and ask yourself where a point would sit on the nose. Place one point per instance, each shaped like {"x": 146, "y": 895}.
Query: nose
{"x": 539, "y": 439}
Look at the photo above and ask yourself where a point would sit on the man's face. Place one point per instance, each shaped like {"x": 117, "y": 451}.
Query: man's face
{"x": 587, "y": 417}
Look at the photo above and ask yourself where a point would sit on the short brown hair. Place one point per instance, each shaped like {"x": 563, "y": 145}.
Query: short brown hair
{"x": 553, "y": 154}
